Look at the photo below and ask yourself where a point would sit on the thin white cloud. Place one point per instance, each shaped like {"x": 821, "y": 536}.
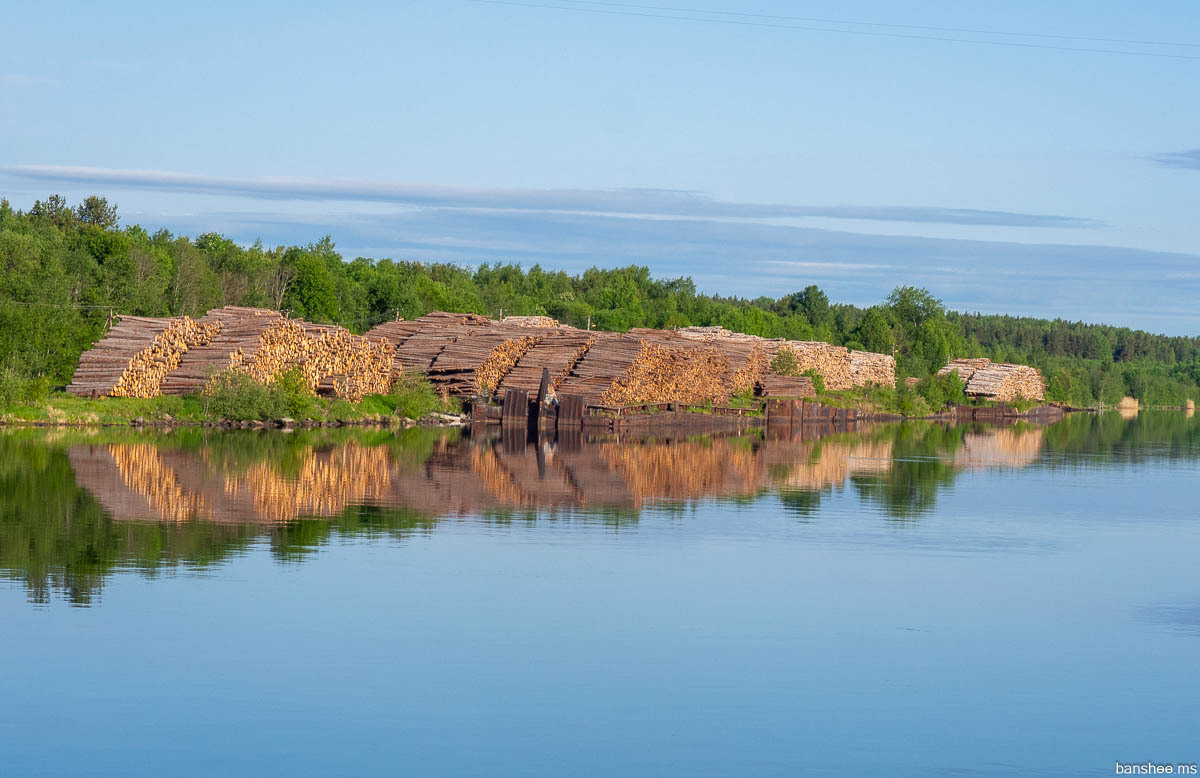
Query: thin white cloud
{"x": 643, "y": 203}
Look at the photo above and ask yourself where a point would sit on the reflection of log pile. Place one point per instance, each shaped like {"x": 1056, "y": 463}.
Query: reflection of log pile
{"x": 328, "y": 482}
{"x": 143, "y": 471}
{"x": 793, "y": 465}
{"x": 999, "y": 448}
{"x": 134, "y": 357}
{"x": 683, "y": 471}
{"x": 999, "y": 381}
{"x": 140, "y": 481}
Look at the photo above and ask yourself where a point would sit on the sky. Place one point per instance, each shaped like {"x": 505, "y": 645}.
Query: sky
{"x": 1025, "y": 157}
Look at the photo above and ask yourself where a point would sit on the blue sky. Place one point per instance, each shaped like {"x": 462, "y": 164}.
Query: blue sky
{"x": 756, "y": 154}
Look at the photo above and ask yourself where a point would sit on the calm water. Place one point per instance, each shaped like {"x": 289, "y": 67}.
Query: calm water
{"x": 904, "y": 599}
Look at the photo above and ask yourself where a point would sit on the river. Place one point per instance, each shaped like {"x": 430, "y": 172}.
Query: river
{"x": 902, "y": 599}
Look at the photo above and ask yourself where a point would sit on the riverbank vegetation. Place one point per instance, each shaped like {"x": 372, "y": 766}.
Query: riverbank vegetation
{"x": 67, "y": 268}
{"x": 230, "y": 396}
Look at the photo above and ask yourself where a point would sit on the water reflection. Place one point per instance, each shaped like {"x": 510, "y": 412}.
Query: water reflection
{"x": 77, "y": 505}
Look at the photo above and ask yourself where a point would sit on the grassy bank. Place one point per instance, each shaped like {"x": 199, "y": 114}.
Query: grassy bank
{"x": 233, "y": 397}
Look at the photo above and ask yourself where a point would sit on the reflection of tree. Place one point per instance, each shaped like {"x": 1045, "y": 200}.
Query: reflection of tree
{"x": 922, "y": 466}
{"x": 299, "y": 491}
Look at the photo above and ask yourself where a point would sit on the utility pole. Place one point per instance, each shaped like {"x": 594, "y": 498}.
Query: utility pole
{"x": 589, "y": 323}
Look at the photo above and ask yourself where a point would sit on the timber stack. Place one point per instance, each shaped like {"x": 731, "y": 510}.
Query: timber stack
{"x": 831, "y": 362}
{"x": 786, "y": 386}
{"x": 475, "y": 365}
{"x": 136, "y": 355}
{"x": 867, "y": 367}
{"x": 998, "y": 381}
{"x": 558, "y": 351}
{"x": 663, "y": 371}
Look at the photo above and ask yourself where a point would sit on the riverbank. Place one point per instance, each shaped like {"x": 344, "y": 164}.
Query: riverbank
{"x": 411, "y": 402}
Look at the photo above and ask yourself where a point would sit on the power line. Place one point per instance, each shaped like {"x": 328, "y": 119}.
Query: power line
{"x": 907, "y": 36}
{"x": 820, "y": 20}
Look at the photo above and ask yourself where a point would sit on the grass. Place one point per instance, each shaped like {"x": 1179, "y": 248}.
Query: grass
{"x": 230, "y": 399}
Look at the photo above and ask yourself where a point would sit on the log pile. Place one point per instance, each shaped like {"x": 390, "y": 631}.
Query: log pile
{"x": 137, "y": 354}
{"x": 840, "y": 367}
{"x": 609, "y": 357}
{"x": 557, "y": 351}
{"x": 475, "y": 365}
{"x": 999, "y": 381}
{"x": 786, "y": 386}
{"x": 540, "y": 322}
{"x": 666, "y": 372}
{"x": 395, "y": 332}
{"x": 241, "y": 329}
{"x": 429, "y": 336}
{"x": 831, "y": 362}
{"x": 867, "y": 367}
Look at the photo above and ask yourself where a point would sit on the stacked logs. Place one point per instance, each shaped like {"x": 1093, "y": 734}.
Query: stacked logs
{"x": 475, "y": 365}
{"x": 840, "y": 367}
{"x": 609, "y": 358}
{"x": 665, "y": 372}
{"x": 558, "y": 351}
{"x": 137, "y": 354}
{"x": 539, "y": 322}
{"x": 867, "y": 367}
{"x": 749, "y": 356}
{"x": 999, "y": 381}
{"x": 786, "y": 386}
{"x": 419, "y": 343}
{"x": 241, "y": 329}
{"x": 831, "y": 362}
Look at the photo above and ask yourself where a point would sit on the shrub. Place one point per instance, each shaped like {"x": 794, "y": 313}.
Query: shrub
{"x": 817, "y": 379}
{"x": 785, "y": 363}
{"x": 413, "y": 396}
{"x": 942, "y": 390}
{"x": 236, "y": 396}
{"x": 17, "y": 386}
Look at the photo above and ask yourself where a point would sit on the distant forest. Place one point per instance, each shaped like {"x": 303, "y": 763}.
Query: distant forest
{"x": 65, "y": 267}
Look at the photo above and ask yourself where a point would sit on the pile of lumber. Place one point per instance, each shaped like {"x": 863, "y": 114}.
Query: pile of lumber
{"x": 665, "y": 372}
{"x": 136, "y": 355}
{"x": 999, "y": 381}
{"x": 831, "y": 362}
{"x": 475, "y": 365}
{"x": 419, "y": 342}
{"x": 609, "y": 357}
{"x": 558, "y": 351}
{"x": 867, "y": 367}
{"x": 332, "y": 359}
{"x": 240, "y": 331}
{"x": 544, "y": 322}
{"x": 840, "y": 367}
{"x": 749, "y": 356}
{"x": 786, "y": 386}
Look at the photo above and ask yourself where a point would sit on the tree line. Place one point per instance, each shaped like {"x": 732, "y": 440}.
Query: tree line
{"x": 65, "y": 268}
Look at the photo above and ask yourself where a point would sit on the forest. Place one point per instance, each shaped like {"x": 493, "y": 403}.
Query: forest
{"x": 67, "y": 268}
